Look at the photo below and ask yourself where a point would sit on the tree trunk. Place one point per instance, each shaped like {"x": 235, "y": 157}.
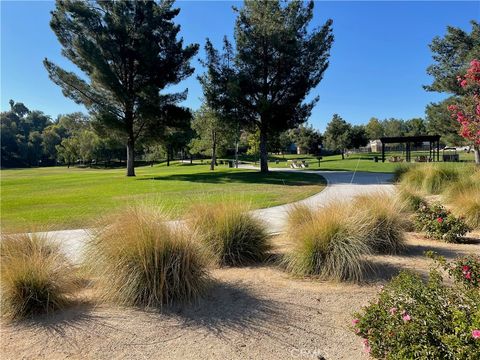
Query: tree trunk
{"x": 236, "y": 154}
{"x": 343, "y": 154}
{"x": 476, "y": 151}
{"x": 130, "y": 157}
{"x": 168, "y": 156}
{"x": 191, "y": 159}
{"x": 214, "y": 151}
{"x": 263, "y": 151}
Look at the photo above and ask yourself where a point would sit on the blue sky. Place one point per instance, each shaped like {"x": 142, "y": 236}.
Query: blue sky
{"x": 377, "y": 65}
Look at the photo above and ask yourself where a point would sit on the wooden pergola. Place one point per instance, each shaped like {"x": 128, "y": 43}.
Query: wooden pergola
{"x": 433, "y": 140}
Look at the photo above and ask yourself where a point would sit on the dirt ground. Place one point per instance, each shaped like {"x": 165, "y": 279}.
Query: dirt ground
{"x": 250, "y": 313}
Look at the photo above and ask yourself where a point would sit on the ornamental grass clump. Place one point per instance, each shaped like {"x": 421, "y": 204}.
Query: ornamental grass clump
{"x": 430, "y": 178}
{"x": 297, "y": 216}
{"x": 409, "y": 199}
{"x": 330, "y": 246}
{"x": 464, "y": 198}
{"x": 383, "y": 220}
{"x": 36, "y": 277}
{"x": 141, "y": 259}
{"x": 231, "y": 234}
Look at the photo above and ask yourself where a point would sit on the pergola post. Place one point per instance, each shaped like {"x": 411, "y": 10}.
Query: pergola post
{"x": 438, "y": 150}
{"x": 383, "y": 152}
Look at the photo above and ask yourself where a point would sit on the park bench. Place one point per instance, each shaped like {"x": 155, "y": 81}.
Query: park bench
{"x": 395, "y": 159}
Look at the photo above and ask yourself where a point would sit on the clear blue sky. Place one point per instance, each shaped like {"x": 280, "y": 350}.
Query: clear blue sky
{"x": 377, "y": 65}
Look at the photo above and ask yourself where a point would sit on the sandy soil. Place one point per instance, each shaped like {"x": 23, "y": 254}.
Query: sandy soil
{"x": 250, "y": 313}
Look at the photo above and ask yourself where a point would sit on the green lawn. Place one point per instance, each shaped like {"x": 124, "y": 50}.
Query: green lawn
{"x": 61, "y": 198}
{"x": 359, "y": 162}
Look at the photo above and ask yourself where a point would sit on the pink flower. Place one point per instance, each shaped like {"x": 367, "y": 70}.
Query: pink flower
{"x": 476, "y": 334}
{"x": 367, "y": 349}
{"x": 406, "y": 317}
{"x": 465, "y": 268}
{"x": 440, "y": 220}
{"x": 365, "y": 342}
{"x": 468, "y": 275}
{"x": 355, "y": 321}
{"x": 393, "y": 310}
{"x": 463, "y": 83}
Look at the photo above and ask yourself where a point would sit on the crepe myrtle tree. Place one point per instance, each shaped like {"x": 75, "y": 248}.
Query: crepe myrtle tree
{"x": 277, "y": 61}
{"x": 467, "y": 109}
{"x": 127, "y": 52}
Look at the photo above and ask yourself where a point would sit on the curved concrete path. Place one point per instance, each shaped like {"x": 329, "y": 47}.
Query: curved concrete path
{"x": 342, "y": 185}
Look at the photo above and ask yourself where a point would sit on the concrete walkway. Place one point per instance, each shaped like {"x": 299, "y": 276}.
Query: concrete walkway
{"x": 342, "y": 185}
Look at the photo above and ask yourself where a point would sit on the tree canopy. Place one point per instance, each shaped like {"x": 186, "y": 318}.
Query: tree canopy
{"x": 277, "y": 62}
{"x": 451, "y": 55}
{"x": 128, "y": 52}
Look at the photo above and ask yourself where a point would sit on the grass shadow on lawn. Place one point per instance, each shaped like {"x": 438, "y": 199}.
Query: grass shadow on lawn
{"x": 272, "y": 178}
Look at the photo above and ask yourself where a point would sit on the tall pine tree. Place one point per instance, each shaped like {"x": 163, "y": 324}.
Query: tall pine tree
{"x": 128, "y": 52}
{"x": 276, "y": 64}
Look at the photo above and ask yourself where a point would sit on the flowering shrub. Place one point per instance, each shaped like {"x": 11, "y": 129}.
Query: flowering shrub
{"x": 416, "y": 320}
{"x": 439, "y": 223}
{"x": 467, "y": 111}
{"x": 465, "y": 270}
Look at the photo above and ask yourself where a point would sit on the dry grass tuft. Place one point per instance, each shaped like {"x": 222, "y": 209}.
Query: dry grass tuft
{"x": 384, "y": 220}
{"x": 409, "y": 199}
{"x": 298, "y": 215}
{"x": 36, "y": 277}
{"x": 330, "y": 246}
{"x": 142, "y": 260}
{"x": 464, "y": 197}
{"x": 430, "y": 178}
{"x": 232, "y": 235}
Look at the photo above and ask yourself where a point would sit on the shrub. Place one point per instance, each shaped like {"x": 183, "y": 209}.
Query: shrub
{"x": 464, "y": 270}
{"x": 438, "y": 223}
{"x": 331, "y": 246}
{"x": 416, "y": 320}
{"x": 232, "y": 235}
{"x": 142, "y": 260}
{"x": 430, "y": 178}
{"x": 384, "y": 222}
{"x": 36, "y": 277}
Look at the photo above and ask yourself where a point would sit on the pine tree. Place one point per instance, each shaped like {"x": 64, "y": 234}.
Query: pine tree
{"x": 277, "y": 62}
{"x": 128, "y": 52}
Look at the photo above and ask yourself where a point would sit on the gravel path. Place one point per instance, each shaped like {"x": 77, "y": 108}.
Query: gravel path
{"x": 342, "y": 185}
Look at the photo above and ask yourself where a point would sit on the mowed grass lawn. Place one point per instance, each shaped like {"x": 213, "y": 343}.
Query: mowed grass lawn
{"x": 61, "y": 198}
{"x": 356, "y": 162}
